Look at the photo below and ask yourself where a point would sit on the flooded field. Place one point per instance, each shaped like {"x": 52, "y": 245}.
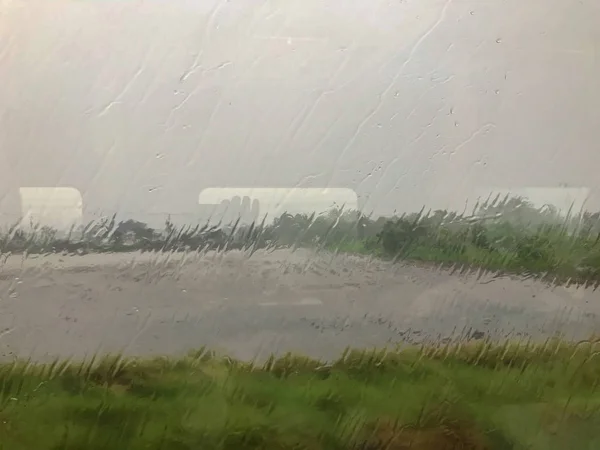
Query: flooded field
{"x": 249, "y": 306}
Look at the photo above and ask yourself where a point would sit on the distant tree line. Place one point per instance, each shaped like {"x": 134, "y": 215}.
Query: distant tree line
{"x": 510, "y": 234}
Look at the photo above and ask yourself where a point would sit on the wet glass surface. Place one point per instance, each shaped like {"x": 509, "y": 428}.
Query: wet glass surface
{"x": 267, "y": 177}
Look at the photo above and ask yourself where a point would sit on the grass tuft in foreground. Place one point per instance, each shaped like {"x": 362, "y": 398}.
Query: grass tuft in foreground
{"x": 479, "y": 396}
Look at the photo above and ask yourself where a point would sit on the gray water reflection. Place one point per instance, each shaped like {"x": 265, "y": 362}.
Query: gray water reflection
{"x": 271, "y": 302}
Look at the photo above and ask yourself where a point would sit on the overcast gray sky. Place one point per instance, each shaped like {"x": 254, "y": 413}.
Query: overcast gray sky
{"x": 142, "y": 104}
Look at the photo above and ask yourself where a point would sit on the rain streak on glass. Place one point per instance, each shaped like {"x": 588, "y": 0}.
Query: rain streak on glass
{"x": 299, "y": 224}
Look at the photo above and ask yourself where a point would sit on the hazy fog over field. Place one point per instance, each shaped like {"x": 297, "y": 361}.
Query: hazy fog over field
{"x": 142, "y": 105}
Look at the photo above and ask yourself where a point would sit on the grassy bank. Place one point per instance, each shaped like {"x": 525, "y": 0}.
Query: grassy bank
{"x": 477, "y": 396}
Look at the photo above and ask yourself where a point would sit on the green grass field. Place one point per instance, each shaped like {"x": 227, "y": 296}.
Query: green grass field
{"x": 475, "y": 396}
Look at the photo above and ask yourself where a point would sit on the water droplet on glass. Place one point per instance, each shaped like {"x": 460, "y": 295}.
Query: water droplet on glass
{"x": 497, "y": 91}
{"x": 499, "y": 41}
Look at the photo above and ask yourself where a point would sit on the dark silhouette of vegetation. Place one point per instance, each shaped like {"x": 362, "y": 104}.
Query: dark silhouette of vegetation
{"x": 507, "y": 234}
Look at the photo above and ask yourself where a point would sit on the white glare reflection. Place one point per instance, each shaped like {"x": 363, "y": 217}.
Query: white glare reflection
{"x": 250, "y": 204}
{"x": 56, "y": 207}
